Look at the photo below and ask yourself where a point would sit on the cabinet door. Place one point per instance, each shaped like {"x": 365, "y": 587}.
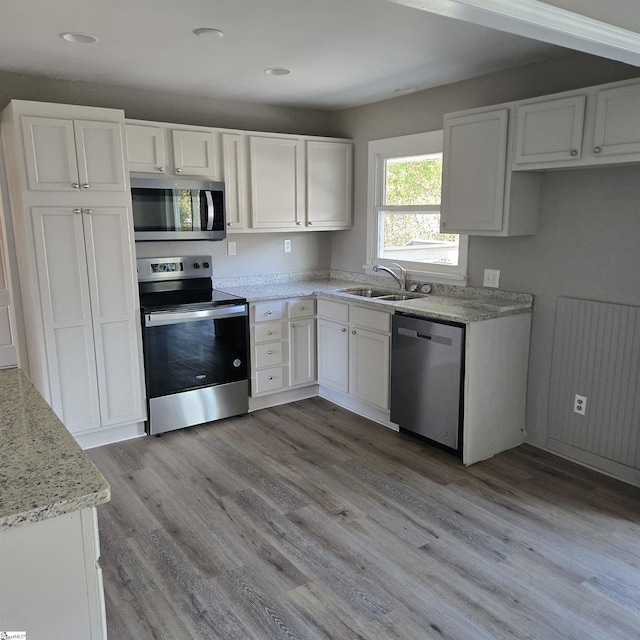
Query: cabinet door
{"x": 549, "y": 131}
{"x": 474, "y": 170}
{"x": 329, "y": 184}
{"x": 66, "y": 310}
{"x": 145, "y": 148}
{"x": 235, "y": 184}
{"x": 114, "y": 305}
{"x": 302, "y": 352}
{"x": 277, "y": 182}
{"x": 7, "y": 342}
{"x": 194, "y": 153}
{"x": 100, "y": 154}
{"x": 369, "y": 355}
{"x": 50, "y": 154}
{"x": 617, "y": 130}
{"x": 333, "y": 355}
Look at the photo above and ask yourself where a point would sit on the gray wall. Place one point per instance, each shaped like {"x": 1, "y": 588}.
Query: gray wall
{"x": 256, "y": 254}
{"x": 589, "y": 222}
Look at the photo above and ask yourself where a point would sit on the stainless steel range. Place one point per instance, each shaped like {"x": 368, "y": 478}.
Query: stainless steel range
{"x": 195, "y": 344}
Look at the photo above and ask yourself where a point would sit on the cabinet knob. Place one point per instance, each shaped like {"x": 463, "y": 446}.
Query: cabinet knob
{"x": 574, "y": 152}
{"x": 597, "y": 149}
{"x": 178, "y": 170}
{"x": 75, "y": 185}
{"x": 353, "y": 333}
{"x": 309, "y": 223}
{"x": 86, "y": 186}
{"x": 228, "y": 224}
{"x": 269, "y": 313}
{"x": 270, "y": 353}
{"x": 344, "y": 330}
{"x": 269, "y": 333}
{"x": 301, "y": 308}
{"x": 77, "y": 211}
{"x": 298, "y": 223}
{"x": 88, "y": 210}
{"x": 270, "y": 378}
{"x": 161, "y": 169}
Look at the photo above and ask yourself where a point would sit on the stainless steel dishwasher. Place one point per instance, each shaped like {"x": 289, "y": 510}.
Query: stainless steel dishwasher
{"x": 427, "y": 373}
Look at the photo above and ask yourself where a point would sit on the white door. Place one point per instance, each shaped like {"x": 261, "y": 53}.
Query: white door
{"x": 7, "y": 339}
{"x": 549, "y": 131}
{"x": 194, "y": 153}
{"x": 277, "y": 182}
{"x": 66, "y": 309}
{"x": 145, "y": 148}
{"x": 235, "y": 183}
{"x": 116, "y": 326}
{"x": 617, "y": 129}
{"x": 369, "y": 355}
{"x": 473, "y": 171}
{"x": 329, "y": 181}
{"x": 99, "y": 150}
{"x": 333, "y": 355}
{"x": 50, "y": 154}
{"x": 302, "y": 351}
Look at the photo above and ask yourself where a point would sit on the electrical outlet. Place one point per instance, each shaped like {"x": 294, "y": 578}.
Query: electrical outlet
{"x": 580, "y": 405}
{"x": 231, "y": 248}
{"x": 287, "y": 246}
{"x": 491, "y": 278}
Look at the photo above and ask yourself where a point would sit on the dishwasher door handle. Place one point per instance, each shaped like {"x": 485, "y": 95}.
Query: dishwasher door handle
{"x": 410, "y": 333}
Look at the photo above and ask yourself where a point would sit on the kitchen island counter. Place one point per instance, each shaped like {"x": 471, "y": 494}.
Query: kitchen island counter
{"x": 43, "y": 471}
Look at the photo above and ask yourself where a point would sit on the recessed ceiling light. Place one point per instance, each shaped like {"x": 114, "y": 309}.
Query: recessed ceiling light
{"x": 208, "y": 32}
{"x": 277, "y": 71}
{"x": 78, "y": 38}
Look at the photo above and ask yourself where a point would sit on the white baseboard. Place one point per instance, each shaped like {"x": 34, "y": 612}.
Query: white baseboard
{"x": 109, "y": 435}
{"x": 283, "y": 397}
{"x": 356, "y": 406}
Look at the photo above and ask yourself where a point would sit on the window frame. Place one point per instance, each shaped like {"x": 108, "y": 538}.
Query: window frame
{"x": 403, "y": 147}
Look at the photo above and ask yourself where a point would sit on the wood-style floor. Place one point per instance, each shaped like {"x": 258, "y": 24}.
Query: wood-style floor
{"x": 306, "y": 521}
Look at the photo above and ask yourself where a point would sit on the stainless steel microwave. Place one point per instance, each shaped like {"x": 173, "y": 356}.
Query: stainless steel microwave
{"x": 166, "y": 209}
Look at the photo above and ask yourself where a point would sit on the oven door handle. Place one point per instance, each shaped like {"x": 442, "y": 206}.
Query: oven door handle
{"x": 179, "y": 317}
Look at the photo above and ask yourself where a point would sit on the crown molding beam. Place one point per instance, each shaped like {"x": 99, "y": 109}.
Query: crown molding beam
{"x": 540, "y": 21}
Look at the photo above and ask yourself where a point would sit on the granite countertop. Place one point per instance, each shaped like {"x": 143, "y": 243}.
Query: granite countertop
{"x": 43, "y": 471}
{"x": 454, "y": 304}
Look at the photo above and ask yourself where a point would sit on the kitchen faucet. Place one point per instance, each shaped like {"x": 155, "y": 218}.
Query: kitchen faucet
{"x": 401, "y": 279}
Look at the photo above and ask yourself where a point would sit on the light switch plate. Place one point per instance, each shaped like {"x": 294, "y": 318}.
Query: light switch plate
{"x": 491, "y": 278}
{"x": 287, "y": 246}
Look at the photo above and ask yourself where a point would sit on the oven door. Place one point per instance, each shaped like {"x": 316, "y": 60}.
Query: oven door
{"x": 196, "y": 366}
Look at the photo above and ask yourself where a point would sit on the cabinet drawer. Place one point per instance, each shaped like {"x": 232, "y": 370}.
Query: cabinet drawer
{"x": 331, "y": 310}
{"x": 268, "y": 354}
{"x": 301, "y": 308}
{"x": 371, "y": 319}
{"x": 267, "y": 311}
{"x": 267, "y": 332}
{"x": 269, "y": 379}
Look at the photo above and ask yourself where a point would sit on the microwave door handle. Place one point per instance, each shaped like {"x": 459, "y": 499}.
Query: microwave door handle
{"x": 210, "y": 211}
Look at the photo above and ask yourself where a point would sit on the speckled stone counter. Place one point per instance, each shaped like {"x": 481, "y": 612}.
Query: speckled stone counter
{"x": 43, "y": 471}
{"x": 453, "y": 304}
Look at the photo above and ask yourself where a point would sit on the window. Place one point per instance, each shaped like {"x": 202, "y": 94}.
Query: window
{"x": 405, "y": 176}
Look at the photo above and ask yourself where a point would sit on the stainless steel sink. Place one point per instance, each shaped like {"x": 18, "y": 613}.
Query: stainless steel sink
{"x": 365, "y": 293}
{"x": 402, "y": 296}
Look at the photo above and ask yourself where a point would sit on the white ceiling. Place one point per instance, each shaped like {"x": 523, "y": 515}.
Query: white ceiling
{"x": 341, "y": 52}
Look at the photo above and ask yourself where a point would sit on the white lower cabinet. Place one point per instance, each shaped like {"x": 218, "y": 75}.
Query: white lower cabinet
{"x": 354, "y": 346}
{"x": 50, "y": 579}
{"x": 283, "y": 345}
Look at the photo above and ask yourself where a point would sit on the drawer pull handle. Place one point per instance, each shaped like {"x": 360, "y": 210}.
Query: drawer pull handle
{"x": 301, "y": 308}
{"x": 269, "y": 313}
{"x": 293, "y": 325}
{"x": 574, "y": 152}
{"x": 353, "y": 333}
{"x": 344, "y": 331}
{"x": 269, "y": 333}
{"x": 597, "y": 149}
{"x": 86, "y": 186}
{"x": 270, "y": 378}
{"x": 270, "y": 353}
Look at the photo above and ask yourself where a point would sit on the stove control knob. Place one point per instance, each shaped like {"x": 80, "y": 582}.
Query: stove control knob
{"x": 196, "y": 265}
{"x": 237, "y": 363}
{"x": 205, "y": 265}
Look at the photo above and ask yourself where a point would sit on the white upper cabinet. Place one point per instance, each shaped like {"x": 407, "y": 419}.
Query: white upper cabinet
{"x": 145, "y": 148}
{"x": 479, "y": 195}
{"x": 276, "y": 166}
{"x": 235, "y": 180}
{"x": 617, "y": 125}
{"x": 73, "y": 155}
{"x": 593, "y": 127}
{"x": 329, "y": 183}
{"x": 549, "y": 130}
{"x": 195, "y": 153}
{"x": 169, "y": 149}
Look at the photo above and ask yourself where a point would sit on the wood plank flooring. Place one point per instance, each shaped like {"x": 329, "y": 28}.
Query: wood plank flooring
{"x": 307, "y": 522}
